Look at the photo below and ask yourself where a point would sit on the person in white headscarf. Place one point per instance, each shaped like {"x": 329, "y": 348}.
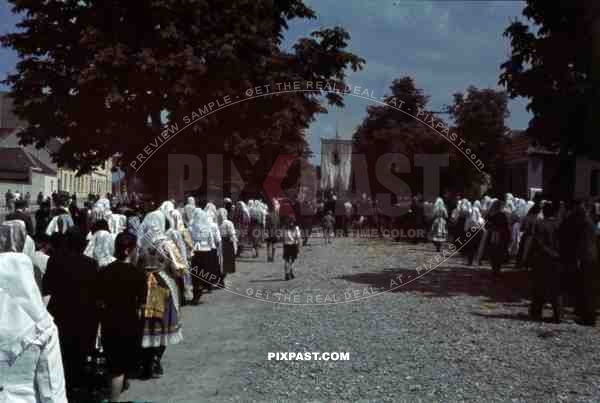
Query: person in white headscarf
{"x": 215, "y": 253}
{"x": 474, "y": 231}
{"x": 202, "y": 239}
{"x": 60, "y": 223}
{"x": 19, "y": 239}
{"x": 30, "y": 356}
{"x": 117, "y": 223}
{"x": 102, "y": 248}
{"x": 229, "y": 243}
{"x": 439, "y": 227}
{"x": 241, "y": 220}
{"x": 182, "y": 242}
{"x": 486, "y": 203}
{"x": 188, "y": 210}
{"x": 162, "y": 325}
{"x": 166, "y": 208}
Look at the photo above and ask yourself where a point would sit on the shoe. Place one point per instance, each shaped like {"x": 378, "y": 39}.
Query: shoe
{"x": 292, "y": 276}
{"x": 157, "y": 370}
{"x": 146, "y": 372}
{"x": 287, "y": 277}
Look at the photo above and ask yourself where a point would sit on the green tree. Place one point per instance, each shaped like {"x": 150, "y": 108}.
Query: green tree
{"x": 388, "y": 129}
{"x": 557, "y": 67}
{"x": 99, "y": 75}
{"x": 479, "y": 120}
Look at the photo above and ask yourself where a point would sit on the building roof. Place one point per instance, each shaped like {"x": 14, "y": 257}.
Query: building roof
{"x": 45, "y": 169}
{"x": 16, "y": 164}
{"x": 7, "y": 116}
{"x": 521, "y": 147}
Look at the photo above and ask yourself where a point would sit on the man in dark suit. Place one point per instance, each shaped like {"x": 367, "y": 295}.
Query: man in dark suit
{"x": 20, "y": 214}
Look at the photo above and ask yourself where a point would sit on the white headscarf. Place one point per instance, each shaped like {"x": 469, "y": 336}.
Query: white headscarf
{"x": 177, "y": 220}
{"x": 211, "y": 209}
{"x": 439, "y": 207}
{"x": 117, "y": 223}
{"x": 101, "y": 248}
{"x": 475, "y": 220}
{"x": 221, "y": 216}
{"x": 152, "y": 230}
{"x": 188, "y": 210}
{"x": 465, "y": 207}
{"x": 200, "y": 229}
{"x": 19, "y": 240}
{"x": 24, "y": 319}
{"x": 166, "y": 209}
{"x": 54, "y": 225}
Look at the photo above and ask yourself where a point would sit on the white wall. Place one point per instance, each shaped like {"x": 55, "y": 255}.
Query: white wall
{"x": 39, "y": 182}
{"x": 535, "y": 173}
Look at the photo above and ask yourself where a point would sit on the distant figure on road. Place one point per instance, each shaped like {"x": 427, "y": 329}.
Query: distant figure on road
{"x": 40, "y": 198}
{"x": 328, "y": 225}
{"x": 439, "y": 228}
{"x": 10, "y": 200}
{"x": 291, "y": 245}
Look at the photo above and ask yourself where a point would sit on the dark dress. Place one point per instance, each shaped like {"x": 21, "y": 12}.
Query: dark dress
{"x": 122, "y": 292}
{"x": 228, "y": 256}
{"x": 499, "y": 237}
{"x": 71, "y": 281}
{"x": 42, "y": 219}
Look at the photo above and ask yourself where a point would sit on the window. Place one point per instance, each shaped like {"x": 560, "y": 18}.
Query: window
{"x": 594, "y": 182}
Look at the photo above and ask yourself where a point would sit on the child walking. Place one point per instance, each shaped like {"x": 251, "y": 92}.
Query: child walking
{"x": 328, "y": 225}
{"x": 291, "y": 244}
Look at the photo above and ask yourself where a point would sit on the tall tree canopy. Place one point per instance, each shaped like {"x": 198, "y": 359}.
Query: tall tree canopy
{"x": 100, "y": 74}
{"x": 388, "y": 129}
{"x": 558, "y": 68}
{"x": 479, "y": 119}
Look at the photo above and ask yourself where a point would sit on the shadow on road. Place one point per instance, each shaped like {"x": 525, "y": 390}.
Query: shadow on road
{"x": 509, "y": 287}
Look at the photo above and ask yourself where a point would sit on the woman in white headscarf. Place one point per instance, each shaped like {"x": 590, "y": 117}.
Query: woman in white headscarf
{"x": 166, "y": 209}
{"x": 162, "y": 325}
{"x": 30, "y": 356}
{"x": 228, "y": 241}
{"x": 216, "y": 249}
{"x": 117, "y": 223}
{"x": 241, "y": 220}
{"x": 202, "y": 238}
{"x": 19, "y": 239}
{"x": 188, "y": 210}
{"x": 60, "y": 223}
{"x": 182, "y": 243}
{"x": 439, "y": 227}
{"x": 101, "y": 248}
{"x": 474, "y": 230}
{"x": 486, "y": 203}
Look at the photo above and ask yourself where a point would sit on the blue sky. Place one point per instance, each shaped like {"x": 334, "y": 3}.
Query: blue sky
{"x": 446, "y": 45}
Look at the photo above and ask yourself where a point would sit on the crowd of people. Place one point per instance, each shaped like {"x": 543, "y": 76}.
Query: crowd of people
{"x": 115, "y": 278}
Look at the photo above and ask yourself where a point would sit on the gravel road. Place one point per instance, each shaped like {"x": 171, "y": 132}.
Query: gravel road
{"x": 454, "y": 334}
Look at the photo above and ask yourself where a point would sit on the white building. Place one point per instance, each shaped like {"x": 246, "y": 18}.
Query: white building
{"x": 24, "y": 173}
{"x": 98, "y": 182}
